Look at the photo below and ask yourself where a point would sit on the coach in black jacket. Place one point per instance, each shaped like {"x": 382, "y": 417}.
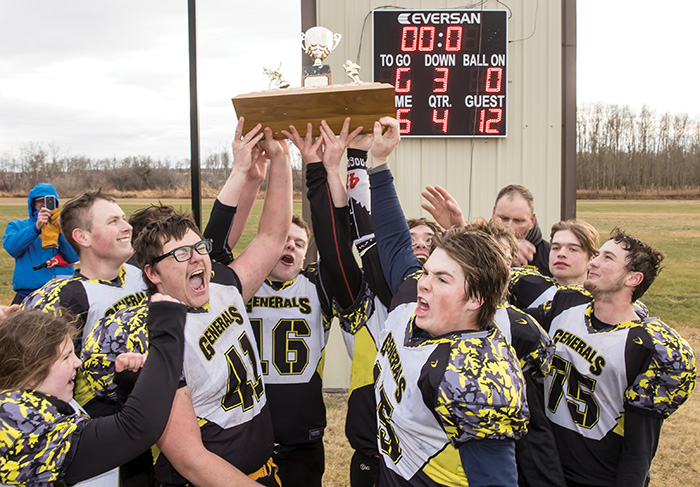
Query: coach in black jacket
{"x": 515, "y": 209}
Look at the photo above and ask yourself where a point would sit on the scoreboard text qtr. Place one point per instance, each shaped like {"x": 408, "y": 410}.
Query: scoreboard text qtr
{"x": 448, "y": 68}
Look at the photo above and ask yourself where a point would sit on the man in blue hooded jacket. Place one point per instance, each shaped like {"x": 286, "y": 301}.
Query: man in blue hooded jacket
{"x": 23, "y": 241}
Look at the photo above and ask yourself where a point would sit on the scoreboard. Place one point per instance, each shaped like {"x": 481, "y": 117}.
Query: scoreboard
{"x": 448, "y": 69}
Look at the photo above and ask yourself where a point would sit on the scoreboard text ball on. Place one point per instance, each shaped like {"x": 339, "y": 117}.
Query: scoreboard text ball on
{"x": 448, "y": 69}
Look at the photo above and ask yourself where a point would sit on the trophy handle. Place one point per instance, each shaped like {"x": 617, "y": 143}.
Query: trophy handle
{"x": 336, "y": 40}
{"x": 302, "y": 40}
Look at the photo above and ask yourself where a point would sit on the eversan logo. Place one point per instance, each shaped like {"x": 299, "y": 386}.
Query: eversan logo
{"x": 403, "y": 19}
{"x": 434, "y": 18}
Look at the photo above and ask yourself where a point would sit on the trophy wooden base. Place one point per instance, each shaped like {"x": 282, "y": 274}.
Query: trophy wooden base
{"x": 364, "y": 103}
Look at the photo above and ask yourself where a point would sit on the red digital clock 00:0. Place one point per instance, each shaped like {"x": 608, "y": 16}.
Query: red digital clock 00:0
{"x": 448, "y": 68}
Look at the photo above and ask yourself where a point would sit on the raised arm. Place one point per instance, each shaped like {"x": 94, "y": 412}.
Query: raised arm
{"x": 254, "y": 179}
{"x": 237, "y": 196}
{"x": 333, "y": 150}
{"x": 360, "y": 216}
{"x": 392, "y": 233}
{"x": 261, "y": 255}
{"x": 340, "y": 274}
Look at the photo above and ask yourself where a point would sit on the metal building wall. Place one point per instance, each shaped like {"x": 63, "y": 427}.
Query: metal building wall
{"x": 473, "y": 169}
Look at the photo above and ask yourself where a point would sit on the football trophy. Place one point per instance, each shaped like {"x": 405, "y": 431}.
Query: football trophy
{"x": 317, "y": 99}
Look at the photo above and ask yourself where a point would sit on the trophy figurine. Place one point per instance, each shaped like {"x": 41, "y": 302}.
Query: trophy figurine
{"x": 277, "y": 81}
{"x": 353, "y": 71}
{"x": 318, "y": 42}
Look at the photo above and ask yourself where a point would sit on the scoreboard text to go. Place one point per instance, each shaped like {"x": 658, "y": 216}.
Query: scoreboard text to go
{"x": 448, "y": 68}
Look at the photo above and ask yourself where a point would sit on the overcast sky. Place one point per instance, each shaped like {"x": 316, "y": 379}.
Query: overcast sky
{"x": 639, "y": 52}
{"x": 107, "y": 78}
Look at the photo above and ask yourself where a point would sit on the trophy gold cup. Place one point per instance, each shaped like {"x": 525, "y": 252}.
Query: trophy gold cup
{"x": 318, "y": 99}
{"x": 318, "y": 42}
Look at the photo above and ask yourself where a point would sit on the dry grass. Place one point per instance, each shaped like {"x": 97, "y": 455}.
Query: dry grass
{"x": 677, "y": 461}
{"x": 647, "y": 194}
{"x": 338, "y": 451}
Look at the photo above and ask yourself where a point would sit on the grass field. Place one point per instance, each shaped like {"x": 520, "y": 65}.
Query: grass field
{"x": 14, "y": 211}
{"x": 671, "y": 226}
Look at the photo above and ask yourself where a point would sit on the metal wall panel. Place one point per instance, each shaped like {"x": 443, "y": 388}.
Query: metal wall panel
{"x": 474, "y": 169}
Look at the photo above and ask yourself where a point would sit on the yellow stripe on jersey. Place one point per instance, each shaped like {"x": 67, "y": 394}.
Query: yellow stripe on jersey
{"x": 446, "y": 468}
{"x": 364, "y": 353}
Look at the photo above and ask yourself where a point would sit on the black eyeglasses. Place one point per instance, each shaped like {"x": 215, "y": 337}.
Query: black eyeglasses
{"x": 184, "y": 253}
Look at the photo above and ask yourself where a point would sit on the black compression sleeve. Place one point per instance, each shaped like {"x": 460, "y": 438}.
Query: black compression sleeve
{"x": 340, "y": 274}
{"x": 536, "y": 453}
{"x": 391, "y": 229}
{"x": 111, "y": 441}
{"x": 374, "y": 274}
{"x": 218, "y": 229}
{"x": 639, "y": 446}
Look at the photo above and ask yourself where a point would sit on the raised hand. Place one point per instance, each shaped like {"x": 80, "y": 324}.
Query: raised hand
{"x": 258, "y": 168}
{"x": 311, "y": 151}
{"x": 443, "y": 207}
{"x": 42, "y": 217}
{"x": 362, "y": 142}
{"x": 386, "y": 138}
{"x": 526, "y": 251}
{"x": 242, "y": 146}
{"x": 274, "y": 149}
{"x": 334, "y": 147}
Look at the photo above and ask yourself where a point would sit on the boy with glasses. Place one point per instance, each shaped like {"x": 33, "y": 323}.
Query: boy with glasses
{"x": 220, "y": 423}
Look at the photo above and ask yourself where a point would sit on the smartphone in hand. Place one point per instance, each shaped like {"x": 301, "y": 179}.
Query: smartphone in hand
{"x": 50, "y": 202}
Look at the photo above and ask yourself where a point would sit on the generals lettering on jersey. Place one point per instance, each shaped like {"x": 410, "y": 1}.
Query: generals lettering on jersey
{"x": 129, "y": 300}
{"x": 303, "y": 303}
{"x": 392, "y": 354}
{"x": 217, "y": 327}
{"x": 582, "y": 348}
